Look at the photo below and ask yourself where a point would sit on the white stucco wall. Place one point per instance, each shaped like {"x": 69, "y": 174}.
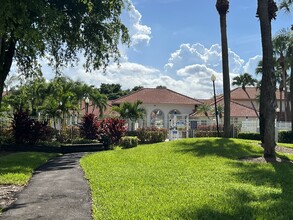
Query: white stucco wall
{"x": 166, "y": 108}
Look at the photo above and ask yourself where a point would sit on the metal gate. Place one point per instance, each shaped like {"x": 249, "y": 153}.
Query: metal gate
{"x": 178, "y": 126}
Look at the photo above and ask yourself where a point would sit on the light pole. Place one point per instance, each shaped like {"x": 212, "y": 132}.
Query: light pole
{"x": 277, "y": 124}
{"x": 86, "y": 105}
{"x": 213, "y": 78}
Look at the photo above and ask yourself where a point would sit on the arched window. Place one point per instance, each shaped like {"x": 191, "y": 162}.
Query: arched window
{"x": 172, "y": 114}
{"x": 157, "y": 118}
{"x": 174, "y": 111}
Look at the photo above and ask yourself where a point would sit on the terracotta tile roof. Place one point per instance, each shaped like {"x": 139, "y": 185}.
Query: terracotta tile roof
{"x": 156, "y": 96}
{"x": 236, "y": 110}
{"x": 96, "y": 111}
{"x": 239, "y": 110}
{"x": 239, "y": 94}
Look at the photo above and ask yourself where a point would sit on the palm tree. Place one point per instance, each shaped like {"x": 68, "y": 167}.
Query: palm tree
{"x": 98, "y": 100}
{"x": 280, "y": 46}
{"x": 220, "y": 110}
{"x": 204, "y": 108}
{"x": 245, "y": 80}
{"x": 222, "y": 8}
{"x": 131, "y": 111}
{"x": 266, "y": 11}
{"x": 286, "y": 5}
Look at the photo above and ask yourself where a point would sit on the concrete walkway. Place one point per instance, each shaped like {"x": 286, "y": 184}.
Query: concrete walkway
{"x": 57, "y": 190}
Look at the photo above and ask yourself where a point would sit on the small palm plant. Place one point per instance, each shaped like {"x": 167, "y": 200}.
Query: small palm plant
{"x": 131, "y": 111}
{"x": 245, "y": 80}
{"x": 205, "y": 109}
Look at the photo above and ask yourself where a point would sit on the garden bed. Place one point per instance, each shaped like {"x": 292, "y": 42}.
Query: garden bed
{"x": 63, "y": 148}
{"x": 90, "y": 147}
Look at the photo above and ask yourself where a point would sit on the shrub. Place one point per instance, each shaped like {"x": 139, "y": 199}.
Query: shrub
{"x": 249, "y": 135}
{"x": 131, "y": 133}
{"x": 89, "y": 127}
{"x": 285, "y": 136}
{"x": 26, "y": 130}
{"x": 5, "y": 136}
{"x": 68, "y": 134}
{"x": 110, "y": 131}
{"x": 151, "y": 135}
{"x": 129, "y": 142}
{"x": 208, "y": 131}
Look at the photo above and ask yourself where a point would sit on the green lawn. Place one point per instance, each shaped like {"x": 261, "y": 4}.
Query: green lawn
{"x": 17, "y": 168}
{"x": 285, "y": 145}
{"x": 189, "y": 179}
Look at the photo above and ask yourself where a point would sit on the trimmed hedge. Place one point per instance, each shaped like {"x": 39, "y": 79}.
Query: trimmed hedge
{"x": 285, "y": 136}
{"x": 149, "y": 135}
{"x": 208, "y": 133}
{"x": 129, "y": 142}
{"x": 249, "y": 135}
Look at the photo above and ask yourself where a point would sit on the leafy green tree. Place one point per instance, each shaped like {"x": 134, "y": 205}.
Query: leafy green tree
{"x": 59, "y": 30}
{"x": 112, "y": 91}
{"x": 131, "y": 111}
{"x": 244, "y": 81}
{"x": 136, "y": 88}
{"x": 161, "y": 87}
{"x": 266, "y": 11}
{"x": 222, "y": 8}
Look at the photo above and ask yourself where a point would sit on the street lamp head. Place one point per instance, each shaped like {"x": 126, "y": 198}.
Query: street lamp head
{"x": 277, "y": 109}
{"x": 213, "y": 77}
{"x": 87, "y": 100}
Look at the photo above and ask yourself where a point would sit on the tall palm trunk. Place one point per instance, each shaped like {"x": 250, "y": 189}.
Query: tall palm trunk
{"x": 284, "y": 86}
{"x": 281, "y": 104}
{"x": 291, "y": 85}
{"x": 222, "y": 7}
{"x": 268, "y": 85}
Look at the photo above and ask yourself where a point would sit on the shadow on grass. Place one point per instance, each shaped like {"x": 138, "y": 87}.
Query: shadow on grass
{"x": 266, "y": 194}
{"x": 261, "y": 191}
{"x": 222, "y": 147}
{"x": 23, "y": 162}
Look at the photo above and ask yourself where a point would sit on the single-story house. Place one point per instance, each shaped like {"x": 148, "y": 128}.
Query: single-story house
{"x": 161, "y": 105}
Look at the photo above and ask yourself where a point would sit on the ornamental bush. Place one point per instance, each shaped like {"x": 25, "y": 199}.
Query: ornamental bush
{"x": 285, "y": 136}
{"x": 249, "y": 135}
{"x": 129, "y": 142}
{"x": 26, "y": 130}
{"x": 151, "y": 135}
{"x": 69, "y": 134}
{"x": 110, "y": 131}
{"x": 89, "y": 127}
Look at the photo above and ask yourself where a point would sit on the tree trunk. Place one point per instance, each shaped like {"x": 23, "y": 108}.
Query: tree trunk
{"x": 226, "y": 76}
{"x": 7, "y": 49}
{"x": 268, "y": 85}
{"x": 253, "y": 106}
{"x": 279, "y": 117}
{"x": 291, "y": 86}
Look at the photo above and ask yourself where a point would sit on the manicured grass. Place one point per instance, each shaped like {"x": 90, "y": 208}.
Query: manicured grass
{"x": 189, "y": 179}
{"x": 17, "y": 168}
{"x": 285, "y": 145}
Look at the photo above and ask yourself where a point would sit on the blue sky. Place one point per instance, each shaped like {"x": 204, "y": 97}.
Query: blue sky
{"x": 176, "y": 43}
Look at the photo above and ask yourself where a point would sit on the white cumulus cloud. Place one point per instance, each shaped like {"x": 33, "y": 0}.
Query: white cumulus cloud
{"x": 189, "y": 54}
{"x": 140, "y": 34}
